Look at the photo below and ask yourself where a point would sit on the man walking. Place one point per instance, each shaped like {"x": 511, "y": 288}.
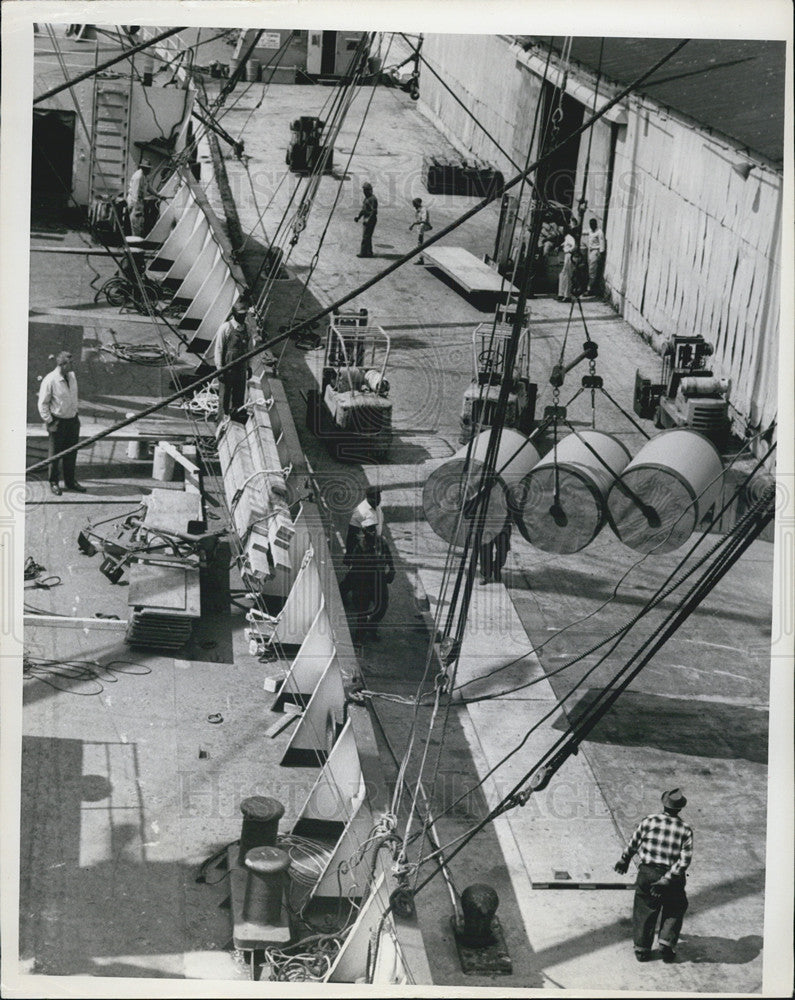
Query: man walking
{"x": 596, "y": 256}
{"x": 58, "y": 410}
{"x": 664, "y": 846}
{"x": 422, "y": 223}
{"x": 231, "y": 343}
{"x": 369, "y": 216}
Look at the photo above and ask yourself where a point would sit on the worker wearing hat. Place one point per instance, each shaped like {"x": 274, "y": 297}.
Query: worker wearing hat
{"x": 140, "y": 197}
{"x": 368, "y": 213}
{"x": 232, "y": 342}
{"x": 664, "y": 846}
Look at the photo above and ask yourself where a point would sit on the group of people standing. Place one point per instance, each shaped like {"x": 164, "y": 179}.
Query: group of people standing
{"x": 594, "y": 246}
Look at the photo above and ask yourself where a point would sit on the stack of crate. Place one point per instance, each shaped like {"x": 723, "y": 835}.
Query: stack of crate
{"x": 470, "y": 177}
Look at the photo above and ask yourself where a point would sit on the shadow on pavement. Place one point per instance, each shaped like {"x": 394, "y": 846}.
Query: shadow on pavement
{"x": 708, "y": 949}
{"x": 678, "y": 725}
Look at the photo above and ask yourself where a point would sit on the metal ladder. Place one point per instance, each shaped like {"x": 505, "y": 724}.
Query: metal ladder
{"x": 110, "y": 139}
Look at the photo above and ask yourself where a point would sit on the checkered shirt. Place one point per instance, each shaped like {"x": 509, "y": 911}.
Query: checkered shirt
{"x": 662, "y": 840}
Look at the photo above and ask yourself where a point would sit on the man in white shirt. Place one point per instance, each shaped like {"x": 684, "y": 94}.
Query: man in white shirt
{"x": 58, "y": 410}
{"x": 422, "y": 223}
{"x": 367, "y": 514}
{"x": 231, "y": 342}
{"x": 596, "y": 256}
{"x": 139, "y": 194}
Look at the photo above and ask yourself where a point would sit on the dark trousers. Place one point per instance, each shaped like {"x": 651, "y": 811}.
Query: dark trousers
{"x": 368, "y": 228}
{"x": 233, "y": 391}
{"x": 65, "y": 433}
{"x": 365, "y": 593}
{"x": 669, "y": 906}
{"x": 493, "y": 555}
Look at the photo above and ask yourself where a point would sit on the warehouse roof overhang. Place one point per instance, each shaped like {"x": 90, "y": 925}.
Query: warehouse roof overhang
{"x": 732, "y": 86}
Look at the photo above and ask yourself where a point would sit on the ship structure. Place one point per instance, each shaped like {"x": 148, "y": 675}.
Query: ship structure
{"x": 416, "y": 530}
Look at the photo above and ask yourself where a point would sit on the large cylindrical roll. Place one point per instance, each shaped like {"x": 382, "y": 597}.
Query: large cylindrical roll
{"x": 567, "y": 519}
{"x": 665, "y": 491}
{"x": 448, "y": 487}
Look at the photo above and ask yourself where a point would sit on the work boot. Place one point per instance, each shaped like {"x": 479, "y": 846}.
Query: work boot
{"x": 667, "y": 953}
{"x": 642, "y": 956}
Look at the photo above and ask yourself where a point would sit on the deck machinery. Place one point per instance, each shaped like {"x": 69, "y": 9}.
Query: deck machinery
{"x": 351, "y": 411}
{"x": 489, "y": 342}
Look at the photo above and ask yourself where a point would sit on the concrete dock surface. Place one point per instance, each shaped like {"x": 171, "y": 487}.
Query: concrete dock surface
{"x": 107, "y": 824}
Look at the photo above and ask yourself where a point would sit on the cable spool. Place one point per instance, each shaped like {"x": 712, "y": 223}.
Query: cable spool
{"x": 570, "y": 521}
{"x": 666, "y": 490}
{"x": 444, "y": 491}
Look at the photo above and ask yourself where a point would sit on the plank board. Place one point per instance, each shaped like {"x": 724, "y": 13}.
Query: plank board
{"x": 170, "y": 510}
{"x": 468, "y": 271}
{"x": 170, "y": 588}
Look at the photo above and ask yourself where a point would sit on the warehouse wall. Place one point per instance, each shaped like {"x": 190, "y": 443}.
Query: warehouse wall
{"x": 480, "y": 70}
{"x": 692, "y": 247}
{"x": 695, "y": 248}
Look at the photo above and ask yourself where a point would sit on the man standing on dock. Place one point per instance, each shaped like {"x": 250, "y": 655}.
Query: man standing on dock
{"x": 139, "y": 197}
{"x": 664, "y": 846}
{"x": 232, "y": 342}
{"x": 369, "y": 216}
{"x": 596, "y": 256}
{"x": 58, "y": 410}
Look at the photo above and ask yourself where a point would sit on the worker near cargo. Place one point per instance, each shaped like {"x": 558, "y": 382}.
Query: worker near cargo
{"x": 58, "y": 410}
{"x": 369, "y": 216}
{"x": 367, "y": 514}
{"x": 493, "y": 555}
{"x": 551, "y": 235}
{"x": 664, "y": 846}
{"x": 365, "y": 587}
{"x": 232, "y": 342}
{"x": 141, "y": 199}
{"x": 567, "y": 271}
{"x": 422, "y": 223}
{"x": 596, "y": 256}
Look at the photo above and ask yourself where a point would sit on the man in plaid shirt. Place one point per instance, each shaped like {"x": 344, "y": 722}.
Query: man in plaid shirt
{"x": 664, "y": 846}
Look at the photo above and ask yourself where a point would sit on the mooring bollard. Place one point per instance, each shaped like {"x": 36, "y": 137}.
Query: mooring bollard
{"x": 261, "y": 817}
{"x": 266, "y": 873}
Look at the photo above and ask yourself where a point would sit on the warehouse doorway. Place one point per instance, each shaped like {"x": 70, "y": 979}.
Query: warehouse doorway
{"x": 557, "y": 177}
{"x": 52, "y": 154}
{"x": 328, "y": 56}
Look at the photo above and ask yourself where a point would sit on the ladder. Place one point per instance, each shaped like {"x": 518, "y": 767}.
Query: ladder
{"x": 110, "y": 139}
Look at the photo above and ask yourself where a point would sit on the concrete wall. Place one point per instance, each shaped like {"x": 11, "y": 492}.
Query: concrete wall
{"x": 693, "y": 247}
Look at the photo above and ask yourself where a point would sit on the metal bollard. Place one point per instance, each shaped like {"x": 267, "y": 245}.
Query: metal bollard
{"x": 261, "y": 817}
{"x": 479, "y": 905}
{"x": 266, "y": 873}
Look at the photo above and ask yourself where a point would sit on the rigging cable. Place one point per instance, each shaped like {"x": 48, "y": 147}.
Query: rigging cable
{"x": 348, "y": 296}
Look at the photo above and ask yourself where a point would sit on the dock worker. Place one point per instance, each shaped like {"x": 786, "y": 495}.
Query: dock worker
{"x": 141, "y": 199}
{"x": 369, "y": 216}
{"x": 232, "y": 342}
{"x": 596, "y": 256}
{"x": 422, "y": 223}
{"x": 493, "y": 555}
{"x": 58, "y": 409}
{"x": 365, "y": 587}
{"x": 567, "y": 271}
{"x": 367, "y": 514}
{"x": 664, "y": 846}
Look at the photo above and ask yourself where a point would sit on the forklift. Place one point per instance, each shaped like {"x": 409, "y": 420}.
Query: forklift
{"x": 489, "y": 342}
{"x": 351, "y": 411}
{"x": 307, "y": 148}
{"x": 688, "y": 393}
